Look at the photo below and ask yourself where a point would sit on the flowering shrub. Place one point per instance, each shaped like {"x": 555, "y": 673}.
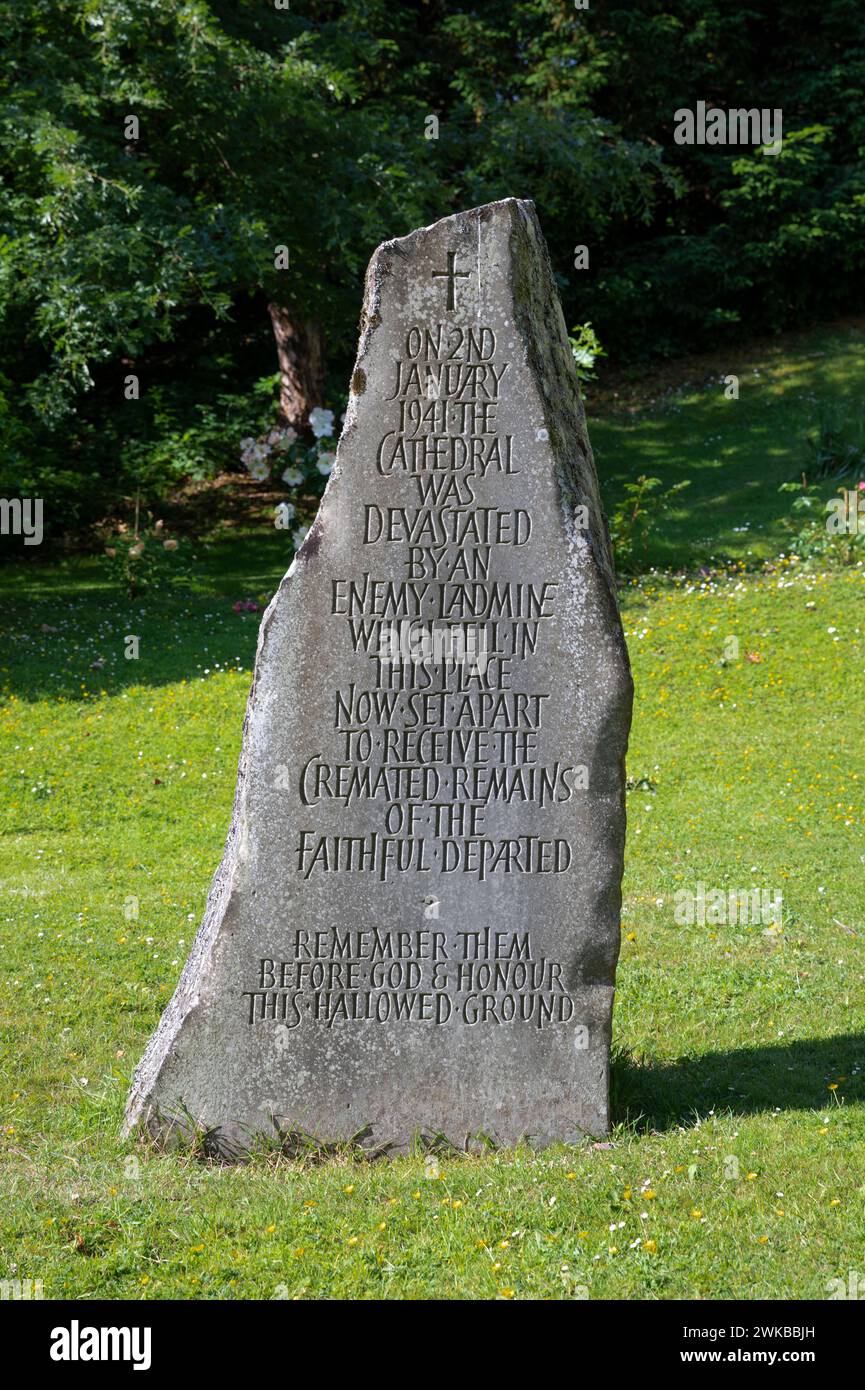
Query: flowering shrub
{"x": 830, "y": 533}
{"x": 281, "y": 453}
{"x": 321, "y": 422}
{"x": 258, "y": 455}
{"x": 138, "y": 560}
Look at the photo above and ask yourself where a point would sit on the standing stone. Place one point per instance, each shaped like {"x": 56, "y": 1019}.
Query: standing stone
{"x": 415, "y": 926}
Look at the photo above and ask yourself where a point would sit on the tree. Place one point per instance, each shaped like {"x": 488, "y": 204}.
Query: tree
{"x": 190, "y": 191}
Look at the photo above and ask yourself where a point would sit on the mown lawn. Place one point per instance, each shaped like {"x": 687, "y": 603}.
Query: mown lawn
{"x": 734, "y": 453}
{"x": 737, "y": 1166}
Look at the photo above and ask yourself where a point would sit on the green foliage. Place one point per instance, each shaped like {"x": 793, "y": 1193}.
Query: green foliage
{"x": 634, "y": 514}
{"x": 148, "y": 249}
{"x": 836, "y": 447}
{"x": 752, "y": 241}
{"x": 829, "y": 534}
{"x": 146, "y": 558}
{"x": 179, "y": 443}
{"x": 586, "y": 348}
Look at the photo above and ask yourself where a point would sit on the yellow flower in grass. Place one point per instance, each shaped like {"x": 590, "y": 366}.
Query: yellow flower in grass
{"x": 349, "y": 1189}
{"x": 270, "y": 1230}
{"x": 651, "y": 1246}
{"x": 506, "y": 1293}
{"x": 353, "y": 1240}
{"x": 696, "y": 1213}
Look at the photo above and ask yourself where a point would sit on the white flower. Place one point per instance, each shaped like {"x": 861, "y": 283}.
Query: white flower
{"x": 247, "y": 443}
{"x": 292, "y": 476}
{"x": 255, "y": 456}
{"x": 321, "y": 422}
{"x": 259, "y": 471}
{"x": 325, "y": 463}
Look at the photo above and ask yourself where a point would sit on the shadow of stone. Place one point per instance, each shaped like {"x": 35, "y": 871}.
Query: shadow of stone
{"x": 659, "y": 1095}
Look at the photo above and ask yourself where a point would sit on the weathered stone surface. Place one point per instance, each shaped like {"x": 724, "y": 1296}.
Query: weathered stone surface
{"x": 415, "y": 925}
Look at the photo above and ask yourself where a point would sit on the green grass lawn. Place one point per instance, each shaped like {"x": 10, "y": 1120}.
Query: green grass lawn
{"x": 734, "y": 453}
{"x": 737, "y": 1165}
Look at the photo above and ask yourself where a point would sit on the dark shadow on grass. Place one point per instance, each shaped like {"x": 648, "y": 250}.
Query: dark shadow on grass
{"x": 63, "y": 626}
{"x": 733, "y": 454}
{"x": 790, "y": 1076}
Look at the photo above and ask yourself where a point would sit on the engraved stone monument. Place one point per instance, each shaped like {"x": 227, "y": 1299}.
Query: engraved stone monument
{"x": 415, "y": 925}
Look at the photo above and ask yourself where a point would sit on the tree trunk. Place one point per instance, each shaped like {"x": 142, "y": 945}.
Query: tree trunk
{"x": 300, "y": 350}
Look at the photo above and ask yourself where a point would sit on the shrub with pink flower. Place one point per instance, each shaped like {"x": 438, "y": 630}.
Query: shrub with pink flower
{"x": 137, "y": 559}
